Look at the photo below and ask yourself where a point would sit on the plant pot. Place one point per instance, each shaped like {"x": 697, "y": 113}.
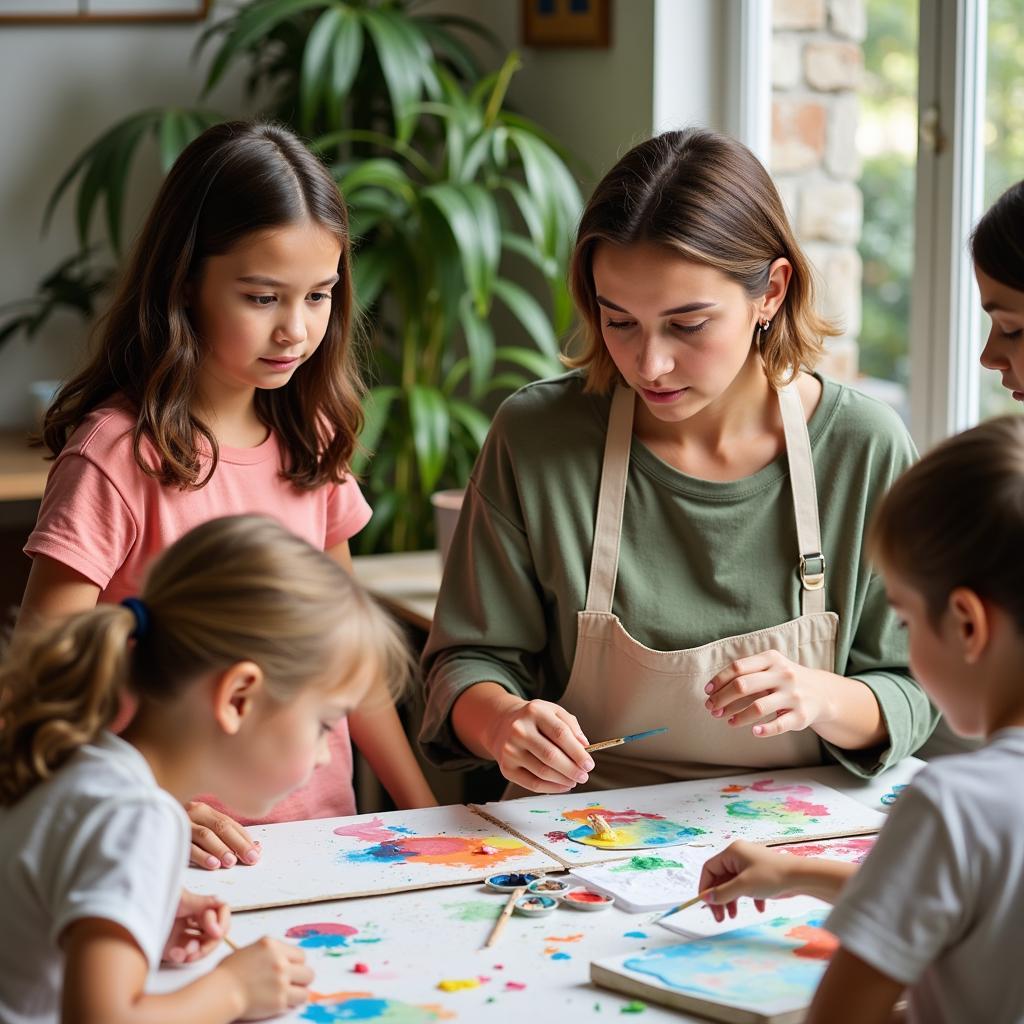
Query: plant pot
{"x": 447, "y": 505}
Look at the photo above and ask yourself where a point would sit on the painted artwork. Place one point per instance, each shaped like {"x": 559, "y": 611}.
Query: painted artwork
{"x": 648, "y": 881}
{"x": 334, "y": 858}
{"x": 365, "y": 1006}
{"x": 698, "y": 921}
{"x": 769, "y": 971}
{"x": 761, "y": 807}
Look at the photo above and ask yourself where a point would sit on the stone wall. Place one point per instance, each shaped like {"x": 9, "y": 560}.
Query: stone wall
{"x": 817, "y": 64}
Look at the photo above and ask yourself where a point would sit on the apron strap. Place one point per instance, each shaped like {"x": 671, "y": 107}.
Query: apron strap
{"x": 805, "y": 501}
{"x": 604, "y": 559}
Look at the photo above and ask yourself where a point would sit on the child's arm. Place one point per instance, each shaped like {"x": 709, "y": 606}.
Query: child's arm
{"x": 746, "y": 869}
{"x": 55, "y": 590}
{"x": 853, "y": 992}
{"x": 377, "y": 730}
{"x": 261, "y": 980}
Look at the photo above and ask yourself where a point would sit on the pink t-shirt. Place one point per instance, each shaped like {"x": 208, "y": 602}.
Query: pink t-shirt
{"x": 105, "y": 518}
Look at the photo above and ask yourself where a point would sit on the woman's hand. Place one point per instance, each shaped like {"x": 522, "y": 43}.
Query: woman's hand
{"x": 200, "y": 923}
{"x": 539, "y": 746}
{"x": 770, "y": 693}
{"x": 745, "y": 869}
{"x": 218, "y": 840}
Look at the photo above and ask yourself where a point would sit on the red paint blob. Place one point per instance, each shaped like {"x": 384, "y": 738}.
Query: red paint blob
{"x": 361, "y": 968}
{"x": 586, "y": 897}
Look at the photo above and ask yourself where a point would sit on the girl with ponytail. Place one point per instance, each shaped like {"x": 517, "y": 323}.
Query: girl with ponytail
{"x": 244, "y": 650}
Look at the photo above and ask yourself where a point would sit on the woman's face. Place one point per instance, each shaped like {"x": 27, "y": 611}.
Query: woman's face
{"x": 1004, "y": 349}
{"x": 679, "y": 332}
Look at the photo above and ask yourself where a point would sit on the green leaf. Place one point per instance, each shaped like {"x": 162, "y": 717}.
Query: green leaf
{"x": 405, "y": 61}
{"x": 380, "y": 173}
{"x": 530, "y": 314}
{"x": 348, "y": 53}
{"x": 524, "y": 247}
{"x": 472, "y": 218}
{"x": 474, "y": 421}
{"x": 251, "y": 24}
{"x": 479, "y": 343}
{"x": 428, "y": 413}
{"x": 315, "y": 58}
{"x": 539, "y": 365}
{"x": 371, "y": 268}
{"x": 376, "y": 405}
{"x": 174, "y": 136}
{"x": 507, "y": 382}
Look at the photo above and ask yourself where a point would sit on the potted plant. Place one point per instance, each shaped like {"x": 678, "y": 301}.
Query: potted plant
{"x": 448, "y": 191}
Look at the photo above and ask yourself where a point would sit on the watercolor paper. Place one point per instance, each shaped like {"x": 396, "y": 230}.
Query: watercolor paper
{"x": 766, "y": 973}
{"x": 334, "y": 858}
{"x": 761, "y": 807}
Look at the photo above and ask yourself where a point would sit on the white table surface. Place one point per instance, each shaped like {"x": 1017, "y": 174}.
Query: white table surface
{"x": 431, "y": 935}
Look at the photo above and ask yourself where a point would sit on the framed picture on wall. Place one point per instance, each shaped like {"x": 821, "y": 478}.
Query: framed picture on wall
{"x": 566, "y": 22}
{"x": 77, "y": 12}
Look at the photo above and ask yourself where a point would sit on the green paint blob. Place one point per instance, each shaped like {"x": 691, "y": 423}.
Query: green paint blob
{"x": 634, "y": 1007}
{"x": 647, "y": 864}
{"x": 474, "y": 910}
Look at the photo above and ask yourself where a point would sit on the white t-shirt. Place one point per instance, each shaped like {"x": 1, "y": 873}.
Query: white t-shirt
{"x": 98, "y": 839}
{"x": 939, "y": 902}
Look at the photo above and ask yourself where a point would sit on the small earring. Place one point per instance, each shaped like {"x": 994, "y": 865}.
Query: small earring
{"x": 765, "y": 324}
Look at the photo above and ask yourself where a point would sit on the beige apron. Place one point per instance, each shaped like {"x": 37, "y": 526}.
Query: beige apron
{"x": 618, "y": 686}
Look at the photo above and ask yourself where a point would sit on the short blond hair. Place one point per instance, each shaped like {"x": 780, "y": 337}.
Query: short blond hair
{"x": 708, "y": 198}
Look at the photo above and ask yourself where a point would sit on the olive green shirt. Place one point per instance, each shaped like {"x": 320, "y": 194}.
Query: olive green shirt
{"x": 699, "y": 560}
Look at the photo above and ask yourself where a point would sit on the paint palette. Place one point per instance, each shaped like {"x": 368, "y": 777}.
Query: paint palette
{"x": 369, "y": 854}
{"x": 549, "y": 887}
{"x": 587, "y": 899}
{"x": 762, "y": 807}
{"x": 535, "y": 906}
{"x": 510, "y": 881}
{"x": 762, "y": 975}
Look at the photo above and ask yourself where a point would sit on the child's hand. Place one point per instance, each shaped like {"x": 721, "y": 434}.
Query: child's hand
{"x": 217, "y": 840}
{"x": 745, "y": 869}
{"x": 539, "y": 746}
{"x": 770, "y": 693}
{"x": 272, "y": 977}
{"x": 200, "y": 923}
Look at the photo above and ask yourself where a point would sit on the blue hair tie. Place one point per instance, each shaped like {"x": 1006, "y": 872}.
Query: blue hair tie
{"x": 141, "y": 613}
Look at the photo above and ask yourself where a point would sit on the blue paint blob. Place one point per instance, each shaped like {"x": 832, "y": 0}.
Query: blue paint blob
{"x": 560, "y": 956}
{"x": 629, "y": 935}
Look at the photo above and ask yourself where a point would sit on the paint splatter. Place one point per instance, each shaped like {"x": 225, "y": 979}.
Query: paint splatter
{"x": 515, "y": 986}
{"x": 325, "y": 935}
{"x": 790, "y": 811}
{"x": 647, "y": 864}
{"x": 893, "y": 795}
{"x": 361, "y": 968}
{"x": 635, "y": 935}
{"x": 474, "y": 910}
{"x": 373, "y": 831}
{"x": 575, "y": 937}
{"x": 556, "y": 837}
{"x": 633, "y": 829}
{"x": 457, "y": 984}
{"x": 446, "y": 851}
{"x": 852, "y": 850}
{"x": 818, "y": 943}
{"x": 560, "y": 956}
{"x": 364, "y": 1006}
{"x": 634, "y": 1006}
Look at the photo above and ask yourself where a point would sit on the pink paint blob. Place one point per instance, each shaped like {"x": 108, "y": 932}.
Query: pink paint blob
{"x": 803, "y": 807}
{"x": 768, "y": 786}
{"x": 373, "y": 831}
{"x": 515, "y": 986}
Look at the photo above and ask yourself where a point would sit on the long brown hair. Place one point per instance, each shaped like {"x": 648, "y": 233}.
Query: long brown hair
{"x": 997, "y": 244}
{"x": 239, "y": 588}
{"x": 956, "y": 519}
{"x": 708, "y": 198}
{"x": 235, "y": 179}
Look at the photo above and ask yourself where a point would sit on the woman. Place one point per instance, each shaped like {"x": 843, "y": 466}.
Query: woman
{"x": 693, "y": 480}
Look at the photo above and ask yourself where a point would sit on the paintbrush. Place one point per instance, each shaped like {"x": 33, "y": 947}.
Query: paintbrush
{"x": 499, "y": 925}
{"x": 231, "y": 942}
{"x": 602, "y": 830}
{"x": 683, "y": 906}
{"x": 618, "y": 741}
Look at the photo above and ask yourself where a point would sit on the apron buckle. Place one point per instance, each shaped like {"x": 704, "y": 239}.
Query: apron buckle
{"x": 812, "y": 571}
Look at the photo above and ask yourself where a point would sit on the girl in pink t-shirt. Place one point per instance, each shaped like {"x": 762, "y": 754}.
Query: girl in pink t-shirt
{"x": 223, "y": 383}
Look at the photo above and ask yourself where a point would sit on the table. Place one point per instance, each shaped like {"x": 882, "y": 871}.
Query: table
{"x": 407, "y": 583}
{"x": 23, "y": 470}
{"x": 407, "y": 943}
